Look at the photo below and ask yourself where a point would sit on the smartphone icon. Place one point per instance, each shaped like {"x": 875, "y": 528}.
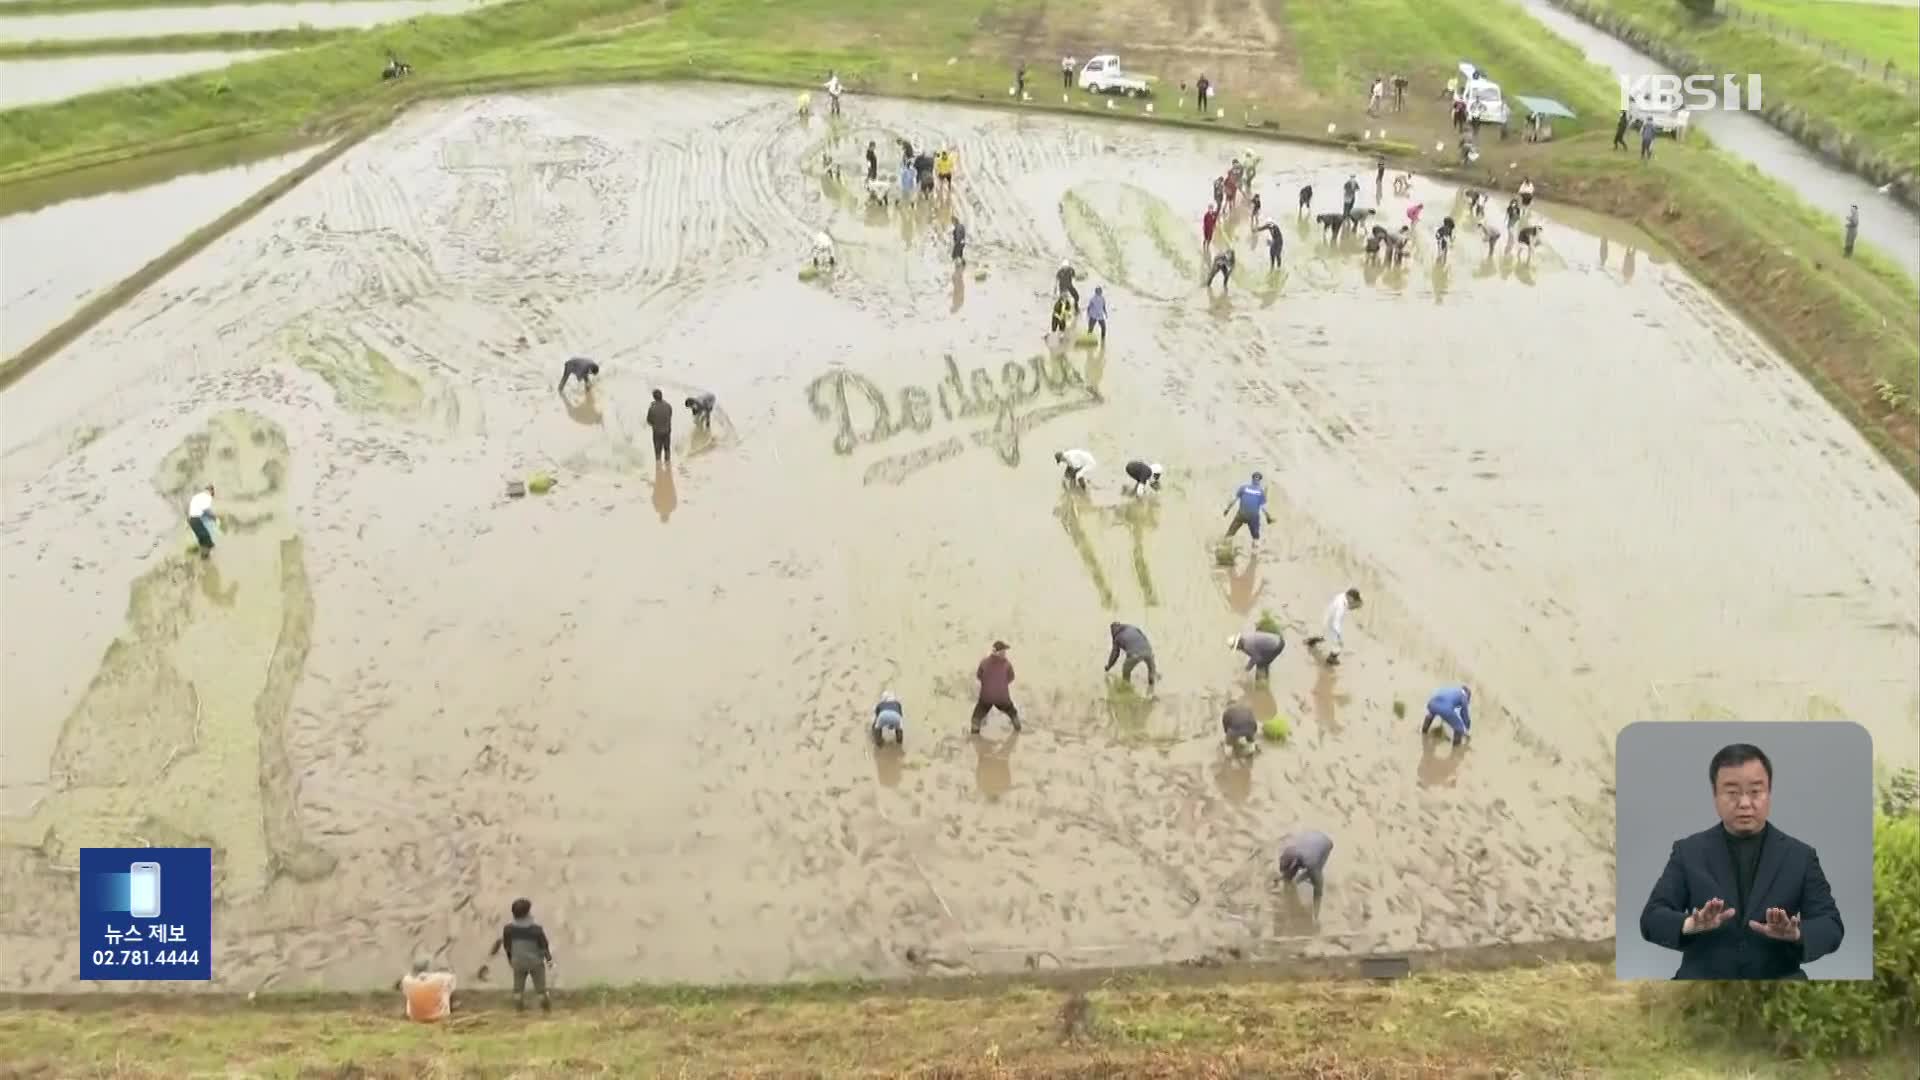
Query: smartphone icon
{"x": 143, "y": 890}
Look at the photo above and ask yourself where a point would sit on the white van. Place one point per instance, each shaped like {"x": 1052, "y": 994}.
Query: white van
{"x": 1485, "y": 103}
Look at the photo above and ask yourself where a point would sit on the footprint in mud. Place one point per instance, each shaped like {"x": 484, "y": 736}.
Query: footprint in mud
{"x": 180, "y": 739}
{"x": 1127, "y": 235}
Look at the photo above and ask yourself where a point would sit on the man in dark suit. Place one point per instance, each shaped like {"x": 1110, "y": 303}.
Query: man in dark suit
{"x": 1718, "y": 880}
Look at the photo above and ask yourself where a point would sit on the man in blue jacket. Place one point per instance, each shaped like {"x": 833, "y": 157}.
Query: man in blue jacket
{"x": 1449, "y": 703}
{"x": 1742, "y": 900}
{"x": 1248, "y": 507}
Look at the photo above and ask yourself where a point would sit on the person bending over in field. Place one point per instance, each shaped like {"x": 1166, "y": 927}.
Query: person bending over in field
{"x": 579, "y": 368}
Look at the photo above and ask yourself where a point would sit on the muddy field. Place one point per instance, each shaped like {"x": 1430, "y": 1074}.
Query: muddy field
{"x": 396, "y": 698}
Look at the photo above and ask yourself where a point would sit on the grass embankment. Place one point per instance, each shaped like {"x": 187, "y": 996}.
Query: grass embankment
{"x": 1554, "y": 1021}
{"x": 1871, "y": 125}
{"x": 226, "y": 41}
{"x": 1879, "y": 32}
{"x": 70, "y": 7}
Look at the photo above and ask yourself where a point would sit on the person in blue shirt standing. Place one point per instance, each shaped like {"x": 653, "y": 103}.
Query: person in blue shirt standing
{"x": 1449, "y": 703}
{"x": 1097, "y": 313}
{"x": 1249, "y": 507}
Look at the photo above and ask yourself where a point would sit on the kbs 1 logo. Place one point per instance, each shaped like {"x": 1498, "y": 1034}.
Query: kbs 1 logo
{"x": 1695, "y": 93}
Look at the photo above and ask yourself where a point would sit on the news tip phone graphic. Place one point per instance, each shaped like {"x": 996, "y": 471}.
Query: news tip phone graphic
{"x": 146, "y": 914}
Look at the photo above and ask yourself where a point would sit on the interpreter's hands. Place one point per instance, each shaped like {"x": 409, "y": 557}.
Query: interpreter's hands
{"x": 1711, "y": 915}
{"x": 1779, "y": 926}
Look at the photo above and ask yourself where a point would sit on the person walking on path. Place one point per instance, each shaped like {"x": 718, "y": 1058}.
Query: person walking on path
{"x": 1097, "y": 313}
{"x": 1305, "y": 855}
{"x": 1620, "y": 131}
{"x": 1132, "y": 641}
{"x": 1853, "y": 229}
{"x": 1449, "y": 703}
{"x": 528, "y": 954}
{"x": 1261, "y": 649}
{"x": 1336, "y": 614}
{"x": 1206, "y": 91}
{"x": 1248, "y": 507}
{"x": 201, "y": 520}
{"x": 660, "y": 419}
{"x": 1647, "y": 132}
{"x": 995, "y": 674}
{"x": 889, "y": 718}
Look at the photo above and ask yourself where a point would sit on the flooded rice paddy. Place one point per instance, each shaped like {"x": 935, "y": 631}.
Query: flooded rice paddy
{"x": 36, "y": 82}
{"x": 61, "y": 256}
{"x": 220, "y": 18}
{"x": 395, "y": 698}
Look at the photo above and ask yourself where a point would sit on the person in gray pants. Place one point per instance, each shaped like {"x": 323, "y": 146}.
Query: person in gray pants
{"x": 1132, "y": 641}
{"x": 1262, "y": 650}
{"x": 1304, "y": 855}
{"x": 528, "y": 953}
{"x": 1241, "y": 729}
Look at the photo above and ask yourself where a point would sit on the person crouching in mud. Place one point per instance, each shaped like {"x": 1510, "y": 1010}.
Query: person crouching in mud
{"x": 1222, "y": 269}
{"x": 889, "y": 719}
{"x": 700, "y": 407}
{"x": 995, "y": 674}
{"x": 1077, "y": 463}
{"x": 579, "y": 368}
{"x": 1143, "y": 475}
{"x": 1062, "y": 315}
{"x": 1242, "y": 731}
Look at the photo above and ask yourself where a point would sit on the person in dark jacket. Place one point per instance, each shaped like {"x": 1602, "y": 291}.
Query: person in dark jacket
{"x": 528, "y": 953}
{"x": 660, "y": 419}
{"x": 1305, "y": 855}
{"x": 1142, "y": 476}
{"x": 1132, "y": 641}
{"x": 1742, "y": 900}
{"x": 1063, "y": 282}
{"x": 873, "y": 163}
{"x": 578, "y": 368}
{"x": 1261, "y": 648}
{"x": 1240, "y": 727}
{"x": 889, "y": 718}
{"x": 996, "y": 687}
{"x": 1620, "y": 131}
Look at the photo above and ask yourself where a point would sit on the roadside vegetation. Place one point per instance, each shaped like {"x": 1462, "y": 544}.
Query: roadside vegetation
{"x": 1558, "y": 1020}
{"x": 1881, "y": 33}
{"x": 1871, "y": 124}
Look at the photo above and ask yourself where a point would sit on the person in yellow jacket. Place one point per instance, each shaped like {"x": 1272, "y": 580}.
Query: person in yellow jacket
{"x": 943, "y": 168}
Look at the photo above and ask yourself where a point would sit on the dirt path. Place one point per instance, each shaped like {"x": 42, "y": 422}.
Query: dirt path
{"x": 1577, "y": 483}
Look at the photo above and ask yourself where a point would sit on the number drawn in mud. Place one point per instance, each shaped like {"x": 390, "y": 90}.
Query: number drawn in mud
{"x": 865, "y": 414}
{"x": 1129, "y": 236}
{"x": 1137, "y": 519}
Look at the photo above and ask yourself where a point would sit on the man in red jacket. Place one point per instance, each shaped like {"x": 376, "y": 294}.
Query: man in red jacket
{"x": 996, "y": 687}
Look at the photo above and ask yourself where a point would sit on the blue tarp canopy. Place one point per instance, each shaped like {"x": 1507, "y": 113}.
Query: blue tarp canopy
{"x": 1545, "y": 106}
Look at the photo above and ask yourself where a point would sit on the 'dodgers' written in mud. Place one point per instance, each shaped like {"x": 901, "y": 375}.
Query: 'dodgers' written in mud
{"x": 861, "y": 412}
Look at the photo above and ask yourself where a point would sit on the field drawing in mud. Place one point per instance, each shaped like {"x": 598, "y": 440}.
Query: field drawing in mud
{"x": 393, "y": 695}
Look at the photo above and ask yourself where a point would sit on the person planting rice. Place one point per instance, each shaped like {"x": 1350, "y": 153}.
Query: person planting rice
{"x": 889, "y": 719}
{"x": 700, "y": 406}
{"x": 1062, "y": 315}
{"x": 1335, "y": 615}
{"x": 1078, "y": 464}
{"x": 873, "y": 162}
{"x": 1349, "y": 191}
{"x": 1305, "y": 855}
{"x": 995, "y": 675}
{"x": 943, "y": 168}
{"x": 1242, "y": 731}
{"x": 1143, "y": 476}
{"x": 1274, "y": 244}
{"x": 1132, "y": 641}
{"x": 1449, "y": 703}
{"x": 1208, "y": 222}
{"x": 579, "y": 368}
{"x": 1306, "y": 200}
{"x": 1261, "y": 650}
{"x": 1222, "y": 269}
{"x": 959, "y": 243}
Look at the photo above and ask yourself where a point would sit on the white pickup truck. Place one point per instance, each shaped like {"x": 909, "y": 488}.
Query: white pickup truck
{"x": 1664, "y": 112}
{"x": 1103, "y": 75}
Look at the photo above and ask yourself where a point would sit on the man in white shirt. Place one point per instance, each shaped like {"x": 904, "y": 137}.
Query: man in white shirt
{"x": 201, "y": 520}
{"x": 1078, "y": 464}
{"x": 1336, "y": 613}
